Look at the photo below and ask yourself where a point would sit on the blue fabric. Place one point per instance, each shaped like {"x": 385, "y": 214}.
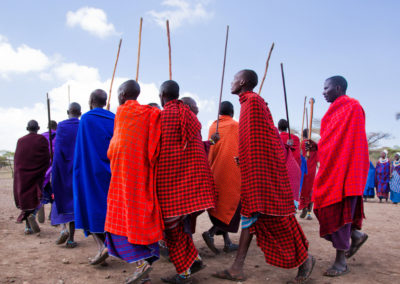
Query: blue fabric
{"x": 395, "y": 185}
{"x": 369, "y": 190}
{"x": 92, "y": 174}
{"x": 248, "y": 222}
{"x": 62, "y": 165}
{"x": 304, "y": 171}
{"x": 57, "y": 218}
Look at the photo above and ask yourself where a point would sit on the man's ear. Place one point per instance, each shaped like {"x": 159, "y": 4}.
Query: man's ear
{"x": 242, "y": 82}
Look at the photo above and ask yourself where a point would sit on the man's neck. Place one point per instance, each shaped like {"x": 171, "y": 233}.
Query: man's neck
{"x": 245, "y": 90}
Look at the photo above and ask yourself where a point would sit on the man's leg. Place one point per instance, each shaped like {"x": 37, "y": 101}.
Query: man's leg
{"x": 358, "y": 238}
{"x": 71, "y": 243}
{"x": 102, "y": 253}
{"x": 208, "y": 237}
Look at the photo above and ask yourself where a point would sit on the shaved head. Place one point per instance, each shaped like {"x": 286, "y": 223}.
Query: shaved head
{"x": 243, "y": 81}
{"x": 226, "y": 109}
{"x": 283, "y": 125}
{"x": 53, "y": 125}
{"x": 129, "y": 90}
{"x": 169, "y": 91}
{"x": 191, "y": 103}
{"x": 33, "y": 126}
{"x": 74, "y": 110}
{"x": 154, "y": 105}
{"x": 98, "y": 99}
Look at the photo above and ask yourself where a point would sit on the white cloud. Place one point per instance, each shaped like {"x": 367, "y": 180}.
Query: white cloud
{"x": 22, "y": 59}
{"x": 73, "y": 71}
{"x": 92, "y": 20}
{"x": 204, "y": 105}
{"x": 181, "y": 12}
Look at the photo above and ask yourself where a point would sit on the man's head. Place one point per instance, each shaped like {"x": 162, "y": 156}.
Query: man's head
{"x": 226, "y": 109}
{"x": 97, "y": 99}
{"x": 53, "y": 125}
{"x": 33, "y": 126}
{"x": 305, "y": 133}
{"x": 244, "y": 81}
{"x": 74, "y": 110}
{"x": 169, "y": 91}
{"x": 154, "y": 105}
{"x": 283, "y": 125}
{"x": 129, "y": 90}
{"x": 334, "y": 87}
{"x": 191, "y": 103}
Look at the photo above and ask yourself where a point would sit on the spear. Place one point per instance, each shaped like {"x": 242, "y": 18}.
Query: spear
{"x": 284, "y": 92}
{"x": 112, "y": 79}
{"x": 302, "y": 123}
{"x": 312, "y": 101}
{"x": 266, "y": 68}
{"x": 169, "y": 51}
{"x": 138, "y": 55}
{"x": 50, "y": 137}
{"x": 223, "y": 74}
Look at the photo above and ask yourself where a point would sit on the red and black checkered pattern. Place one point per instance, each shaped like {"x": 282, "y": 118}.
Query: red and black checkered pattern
{"x": 343, "y": 153}
{"x": 281, "y": 239}
{"x": 265, "y": 186}
{"x": 182, "y": 251}
{"x": 184, "y": 180}
{"x": 331, "y": 218}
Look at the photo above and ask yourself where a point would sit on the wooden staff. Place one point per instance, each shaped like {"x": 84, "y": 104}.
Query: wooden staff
{"x": 312, "y": 101}
{"x": 169, "y": 51}
{"x": 112, "y": 79}
{"x": 266, "y": 68}
{"x": 284, "y": 92}
{"x": 138, "y": 55}
{"x": 306, "y": 117}
{"x": 222, "y": 80}
{"x": 49, "y": 119}
{"x": 302, "y": 123}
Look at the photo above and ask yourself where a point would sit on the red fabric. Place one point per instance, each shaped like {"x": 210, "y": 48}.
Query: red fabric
{"x": 343, "y": 153}
{"x": 295, "y": 147}
{"x": 281, "y": 239}
{"x": 132, "y": 207}
{"x": 31, "y": 161}
{"x": 184, "y": 180}
{"x": 331, "y": 218}
{"x": 308, "y": 181}
{"x": 182, "y": 251}
{"x": 265, "y": 186}
{"x": 294, "y": 173}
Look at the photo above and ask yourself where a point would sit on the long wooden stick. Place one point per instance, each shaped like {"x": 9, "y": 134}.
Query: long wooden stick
{"x": 302, "y": 123}
{"x": 50, "y": 137}
{"x": 311, "y": 119}
{"x": 138, "y": 55}
{"x": 306, "y": 117}
{"x": 112, "y": 79}
{"x": 266, "y": 68}
{"x": 169, "y": 51}
{"x": 286, "y": 104}
{"x": 222, "y": 79}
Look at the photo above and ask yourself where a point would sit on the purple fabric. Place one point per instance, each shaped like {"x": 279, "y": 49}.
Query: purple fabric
{"x": 382, "y": 178}
{"x": 58, "y": 218}
{"x": 341, "y": 238}
{"x": 48, "y": 173}
{"x": 118, "y": 246}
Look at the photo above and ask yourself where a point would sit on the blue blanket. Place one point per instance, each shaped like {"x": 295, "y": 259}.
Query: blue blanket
{"x": 369, "y": 190}
{"x": 62, "y": 165}
{"x": 92, "y": 174}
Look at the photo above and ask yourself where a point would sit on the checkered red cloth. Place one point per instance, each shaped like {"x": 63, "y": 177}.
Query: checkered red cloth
{"x": 281, "y": 239}
{"x": 331, "y": 218}
{"x": 296, "y": 145}
{"x": 308, "y": 181}
{"x": 132, "y": 207}
{"x": 184, "y": 180}
{"x": 265, "y": 186}
{"x": 343, "y": 153}
{"x": 182, "y": 251}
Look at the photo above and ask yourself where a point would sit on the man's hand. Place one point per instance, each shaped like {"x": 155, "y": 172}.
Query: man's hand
{"x": 290, "y": 142}
{"x": 237, "y": 160}
{"x": 215, "y": 138}
{"x": 310, "y": 145}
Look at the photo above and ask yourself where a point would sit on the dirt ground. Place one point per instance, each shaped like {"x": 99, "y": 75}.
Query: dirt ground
{"x": 37, "y": 259}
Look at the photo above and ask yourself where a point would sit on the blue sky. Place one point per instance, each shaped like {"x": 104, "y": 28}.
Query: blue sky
{"x": 47, "y": 45}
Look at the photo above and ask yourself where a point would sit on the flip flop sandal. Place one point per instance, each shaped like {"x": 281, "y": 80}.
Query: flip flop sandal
{"x": 176, "y": 279}
{"x": 71, "y": 244}
{"x": 225, "y": 274}
{"x": 352, "y": 251}
{"x": 64, "y": 235}
{"x": 137, "y": 277}
{"x": 210, "y": 242}
{"x": 335, "y": 273}
{"x": 28, "y": 231}
{"x": 101, "y": 258}
{"x": 197, "y": 266}
{"x": 33, "y": 224}
{"x": 230, "y": 248}
{"x": 308, "y": 274}
{"x": 40, "y": 215}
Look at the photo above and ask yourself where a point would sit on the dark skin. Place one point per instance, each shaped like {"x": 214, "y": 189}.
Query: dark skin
{"x": 240, "y": 85}
{"x": 129, "y": 90}
{"x": 33, "y": 127}
{"x": 331, "y": 91}
{"x": 74, "y": 110}
{"x": 97, "y": 99}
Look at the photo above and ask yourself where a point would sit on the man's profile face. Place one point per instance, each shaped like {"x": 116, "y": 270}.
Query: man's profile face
{"x": 331, "y": 91}
{"x": 235, "y": 85}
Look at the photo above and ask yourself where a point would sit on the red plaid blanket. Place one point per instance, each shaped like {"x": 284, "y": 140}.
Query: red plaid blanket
{"x": 343, "y": 153}
{"x": 265, "y": 182}
{"x": 184, "y": 180}
{"x": 132, "y": 206}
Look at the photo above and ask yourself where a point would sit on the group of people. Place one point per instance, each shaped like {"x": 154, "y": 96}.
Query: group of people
{"x": 137, "y": 180}
{"x": 385, "y": 178}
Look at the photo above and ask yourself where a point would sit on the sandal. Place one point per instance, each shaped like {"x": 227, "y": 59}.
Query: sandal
{"x": 28, "y": 231}
{"x": 331, "y": 272}
{"x": 304, "y": 275}
{"x": 225, "y": 274}
{"x": 100, "y": 258}
{"x": 353, "y": 249}
{"x": 210, "y": 242}
{"x": 70, "y": 244}
{"x": 197, "y": 266}
{"x": 230, "y": 248}
{"x": 139, "y": 275}
{"x": 177, "y": 279}
{"x": 33, "y": 224}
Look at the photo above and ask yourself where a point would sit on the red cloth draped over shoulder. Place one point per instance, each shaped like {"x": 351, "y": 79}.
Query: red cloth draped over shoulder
{"x": 265, "y": 186}
{"x": 343, "y": 153}
{"x": 224, "y": 168}
{"x": 31, "y": 161}
{"x": 296, "y": 145}
{"x": 184, "y": 180}
{"x": 132, "y": 206}
{"x": 308, "y": 181}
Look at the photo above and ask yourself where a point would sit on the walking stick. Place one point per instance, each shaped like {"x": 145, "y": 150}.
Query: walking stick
{"x": 312, "y": 101}
{"x": 169, "y": 51}
{"x": 138, "y": 55}
{"x": 266, "y": 68}
{"x": 50, "y": 138}
{"x": 222, "y": 80}
{"x": 284, "y": 92}
{"x": 302, "y": 123}
{"x": 306, "y": 117}
{"x": 112, "y": 79}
